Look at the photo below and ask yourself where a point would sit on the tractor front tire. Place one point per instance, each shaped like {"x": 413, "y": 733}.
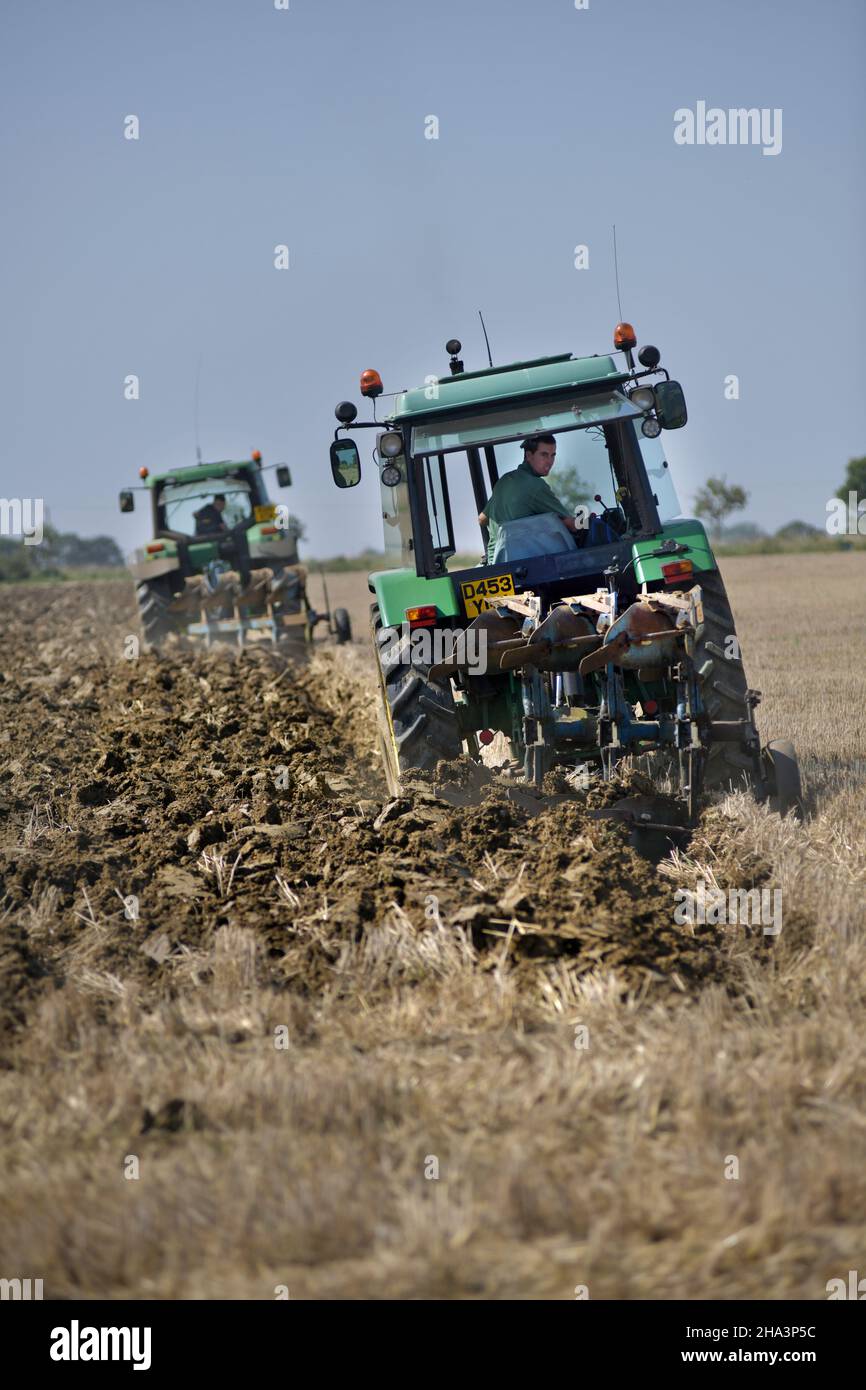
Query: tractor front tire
{"x": 417, "y": 716}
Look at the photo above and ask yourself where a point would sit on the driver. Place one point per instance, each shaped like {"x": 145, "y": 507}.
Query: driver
{"x": 523, "y": 491}
{"x": 209, "y": 518}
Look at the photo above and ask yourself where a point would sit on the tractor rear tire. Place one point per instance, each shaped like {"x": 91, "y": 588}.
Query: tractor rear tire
{"x": 417, "y": 716}
{"x": 723, "y": 687}
{"x": 153, "y": 597}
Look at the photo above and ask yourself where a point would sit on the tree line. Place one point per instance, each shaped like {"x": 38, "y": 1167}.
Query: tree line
{"x": 57, "y": 552}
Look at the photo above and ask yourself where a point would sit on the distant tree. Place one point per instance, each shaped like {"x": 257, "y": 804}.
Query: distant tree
{"x": 102, "y": 550}
{"x": 743, "y": 531}
{"x": 16, "y": 560}
{"x": 717, "y": 500}
{"x": 46, "y": 555}
{"x": 570, "y": 487}
{"x": 799, "y": 531}
{"x": 65, "y": 548}
{"x": 58, "y": 550}
{"x": 855, "y": 480}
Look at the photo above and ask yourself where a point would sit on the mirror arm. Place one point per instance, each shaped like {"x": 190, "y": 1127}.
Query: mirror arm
{"x": 358, "y": 425}
{"x": 651, "y": 371}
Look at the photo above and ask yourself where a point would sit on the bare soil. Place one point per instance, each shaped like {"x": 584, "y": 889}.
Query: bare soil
{"x": 229, "y": 959}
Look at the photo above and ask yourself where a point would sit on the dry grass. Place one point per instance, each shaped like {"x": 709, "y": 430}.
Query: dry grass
{"x": 800, "y": 619}
{"x": 309, "y": 1164}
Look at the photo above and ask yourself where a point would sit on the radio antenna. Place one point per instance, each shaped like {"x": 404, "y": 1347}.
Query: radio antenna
{"x": 616, "y": 273}
{"x": 486, "y": 339}
{"x": 195, "y": 410}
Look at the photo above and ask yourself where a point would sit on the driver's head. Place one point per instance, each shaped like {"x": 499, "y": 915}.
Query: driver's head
{"x": 219, "y": 501}
{"x": 539, "y": 451}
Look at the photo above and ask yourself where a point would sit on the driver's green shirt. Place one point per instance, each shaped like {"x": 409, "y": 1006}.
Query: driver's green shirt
{"x": 519, "y": 493}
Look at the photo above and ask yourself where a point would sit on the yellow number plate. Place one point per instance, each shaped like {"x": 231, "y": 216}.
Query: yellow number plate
{"x": 479, "y": 594}
{"x": 266, "y": 513}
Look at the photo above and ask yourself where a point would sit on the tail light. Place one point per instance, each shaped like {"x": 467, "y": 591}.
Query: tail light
{"x": 155, "y": 547}
{"x": 677, "y": 569}
{"x": 425, "y": 616}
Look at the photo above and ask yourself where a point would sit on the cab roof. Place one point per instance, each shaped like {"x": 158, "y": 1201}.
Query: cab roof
{"x": 199, "y": 471}
{"x": 509, "y": 383}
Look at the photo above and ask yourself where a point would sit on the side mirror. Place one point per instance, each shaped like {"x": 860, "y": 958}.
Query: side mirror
{"x": 127, "y": 501}
{"x": 284, "y": 477}
{"x": 670, "y": 405}
{"x": 345, "y": 463}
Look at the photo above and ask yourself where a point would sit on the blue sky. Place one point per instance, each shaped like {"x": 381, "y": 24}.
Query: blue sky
{"x": 306, "y": 127}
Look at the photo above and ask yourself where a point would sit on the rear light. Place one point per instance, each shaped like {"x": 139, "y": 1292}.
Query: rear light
{"x": 486, "y": 736}
{"x": 425, "y": 616}
{"x": 677, "y": 569}
{"x": 152, "y": 549}
{"x": 650, "y": 707}
{"x": 270, "y": 530}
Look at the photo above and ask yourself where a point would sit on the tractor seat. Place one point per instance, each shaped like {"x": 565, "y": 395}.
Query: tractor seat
{"x": 164, "y": 534}
{"x": 544, "y": 534}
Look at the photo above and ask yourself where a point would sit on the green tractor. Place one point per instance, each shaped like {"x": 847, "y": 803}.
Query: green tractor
{"x": 582, "y": 639}
{"x": 223, "y": 561}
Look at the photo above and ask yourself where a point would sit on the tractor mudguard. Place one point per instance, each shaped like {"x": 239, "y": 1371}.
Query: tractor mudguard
{"x": 397, "y": 590}
{"x": 648, "y": 566}
{"x": 143, "y": 569}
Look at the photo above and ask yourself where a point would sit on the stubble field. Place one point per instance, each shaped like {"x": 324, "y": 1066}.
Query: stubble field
{"x": 261, "y": 1028}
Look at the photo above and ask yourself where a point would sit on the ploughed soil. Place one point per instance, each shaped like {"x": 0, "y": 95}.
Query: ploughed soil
{"x": 168, "y": 795}
{"x": 266, "y": 1031}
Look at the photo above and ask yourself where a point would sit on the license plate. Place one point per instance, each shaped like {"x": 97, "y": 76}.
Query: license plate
{"x": 480, "y": 594}
{"x": 266, "y": 513}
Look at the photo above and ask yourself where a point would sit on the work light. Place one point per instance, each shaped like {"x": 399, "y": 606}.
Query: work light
{"x": 390, "y": 444}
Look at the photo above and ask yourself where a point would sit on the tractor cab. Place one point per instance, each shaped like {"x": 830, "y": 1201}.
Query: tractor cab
{"x": 450, "y": 442}
{"x": 206, "y": 505}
